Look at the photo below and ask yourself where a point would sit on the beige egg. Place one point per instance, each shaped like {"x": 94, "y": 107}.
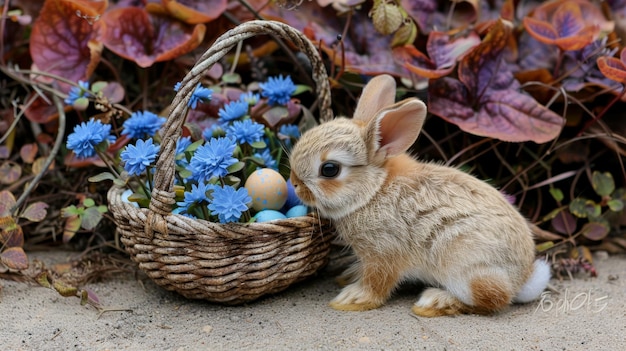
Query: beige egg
{"x": 267, "y": 188}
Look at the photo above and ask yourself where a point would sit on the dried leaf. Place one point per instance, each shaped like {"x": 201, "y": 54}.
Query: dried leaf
{"x": 612, "y": 68}
{"x": 195, "y": 11}
{"x": 28, "y": 152}
{"x": 443, "y": 53}
{"x": 7, "y": 201}
{"x": 64, "y": 289}
{"x": 14, "y": 258}
{"x": 406, "y": 34}
{"x": 488, "y": 102}
{"x": 39, "y": 164}
{"x": 10, "y": 172}
{"x": 72, "y": 225}
{"x": 563, "y": 24}
{"x": 43, "y": 280}
{"x": 134, "y": 34}
{"x": 41, "y": 111}
{"x": 12, "y": 236}
{"x": 35, "y": 212}
{"x": 386, "y": 16}
{"x": 564, "y": 223}
{"x": 60, "y": 39}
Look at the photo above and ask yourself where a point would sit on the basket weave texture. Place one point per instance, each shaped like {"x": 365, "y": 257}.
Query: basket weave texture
{"x": 230, "y": 263}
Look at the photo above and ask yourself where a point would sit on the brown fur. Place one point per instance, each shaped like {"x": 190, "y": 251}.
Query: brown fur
{"x": 406, "y": 219}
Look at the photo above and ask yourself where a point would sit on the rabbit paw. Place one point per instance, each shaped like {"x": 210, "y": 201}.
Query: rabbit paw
{"x": 355, "y": 298}
{"x": 437, "y": 302}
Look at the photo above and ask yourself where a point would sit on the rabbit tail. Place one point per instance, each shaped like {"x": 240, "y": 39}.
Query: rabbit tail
{"x": 536, "y": 284}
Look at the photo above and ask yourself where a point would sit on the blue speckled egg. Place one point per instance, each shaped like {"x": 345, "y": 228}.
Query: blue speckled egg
{"x": 267, "y": 188}
{"x": 297, "y": 211}
{"x": 268, "y": 215}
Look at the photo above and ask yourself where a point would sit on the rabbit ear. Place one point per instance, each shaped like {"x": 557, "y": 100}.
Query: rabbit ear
{"x": 396, "y": 128}
{"x": 379, "y": 93}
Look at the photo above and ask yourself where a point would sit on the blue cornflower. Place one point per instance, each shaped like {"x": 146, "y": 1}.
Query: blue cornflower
{"x": 212, "y": 159}
{"x": 250, "y": 98}
{"x": 246, "y": 131}
{"x": 232, "y": 111}
{"x": 139, "y": 156}
{"x": 182, "y": 144}
{"x": 228, "y": 204}
{"x": 78, "y": 92}
{"x": 197, "y": 195}
{"x": 87, "y": 136}
{"x": 215, "y": 130}
{"x": 289, "y": 132}
{"x": 199, "y": 94}
{"x": 278, "y": 90}
{"x": 267, "y": 158}
{"x": 142, "y": 124}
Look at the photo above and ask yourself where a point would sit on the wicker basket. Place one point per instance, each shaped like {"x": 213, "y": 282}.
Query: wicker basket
{"x": 225, "y": 263}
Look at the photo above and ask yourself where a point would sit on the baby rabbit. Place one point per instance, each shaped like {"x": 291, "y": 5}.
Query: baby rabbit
{"x": 409, "y": 220}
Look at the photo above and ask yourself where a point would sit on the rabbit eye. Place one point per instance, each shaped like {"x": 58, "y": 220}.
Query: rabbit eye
{"x": 330, "y": 169}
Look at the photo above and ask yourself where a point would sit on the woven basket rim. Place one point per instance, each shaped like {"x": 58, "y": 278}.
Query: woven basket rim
{"x": 115, "y": 197}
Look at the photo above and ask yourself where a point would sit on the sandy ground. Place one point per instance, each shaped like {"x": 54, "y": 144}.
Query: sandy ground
{"x": 587, "y": 314}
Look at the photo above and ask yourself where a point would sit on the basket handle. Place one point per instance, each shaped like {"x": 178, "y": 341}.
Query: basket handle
{"x": 162, "y": 193}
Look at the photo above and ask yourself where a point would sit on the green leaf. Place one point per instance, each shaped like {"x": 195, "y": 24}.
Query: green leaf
{"x": 91, "y": 218}
{"x": 236, "y": 167}
{"x": 544, "y": 246}
{"x": 101, "y": 177}
{"x": 14, "y": 258}
{"x": 184, "y": 173}
{"x": 231, "y": 78}
{"x": 301, "y": 88}
{"x": 71, "y": 210}
{"x": 35, "y": 212}
{"x": 97, "y": 87}
{"x": 602, "y": 183}
{"x": 557, "y": 194}
{"x": 232, "y": 181}
{"x": 552, "y": 214}
{"x": 89, "y": 202}
{"x": 259, "y": 144}
{"x": 119, "y": 182}
{"x": 194, "y": 146}
{"x": 102, "y": 209}
{"x": 81, "y": 104}
{"x": 583, "y": 208}
{"x": 615, "y": 205}
{"x": 595, "y": 230}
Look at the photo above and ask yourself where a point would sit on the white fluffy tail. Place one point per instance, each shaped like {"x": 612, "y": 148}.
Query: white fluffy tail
{"x": 536, "y": 284}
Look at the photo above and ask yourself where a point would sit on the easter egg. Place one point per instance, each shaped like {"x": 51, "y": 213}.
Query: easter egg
{"x": 267, "y": 189}
{"x": 297, "y": 211}
{"x": 268, "y": 215}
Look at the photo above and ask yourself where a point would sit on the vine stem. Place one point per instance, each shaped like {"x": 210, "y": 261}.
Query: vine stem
{"x": 49, "y": 159}
{"x": 604, "y": 111}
